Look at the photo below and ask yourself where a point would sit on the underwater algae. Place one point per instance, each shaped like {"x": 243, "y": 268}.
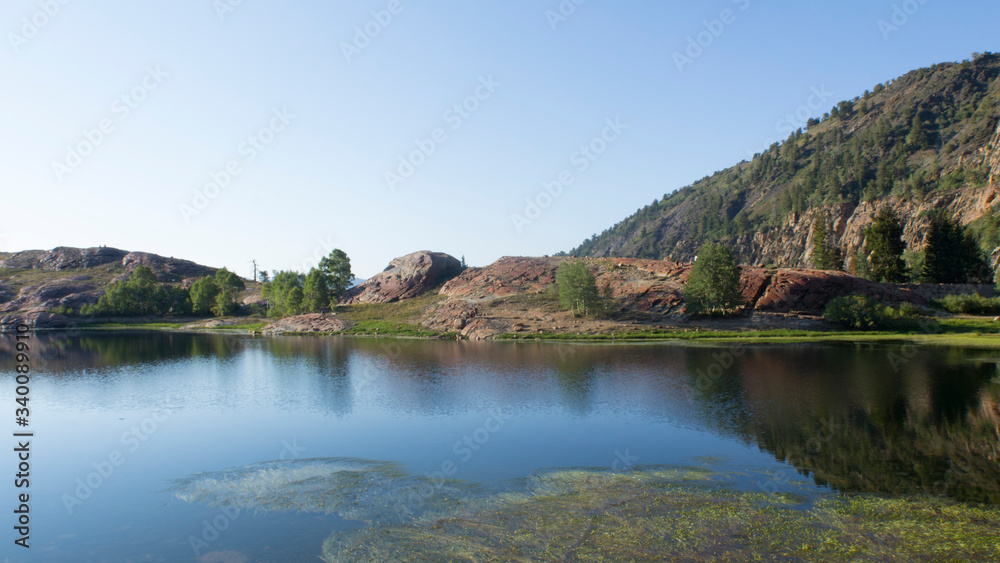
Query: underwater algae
{"x": 649, "y": 514}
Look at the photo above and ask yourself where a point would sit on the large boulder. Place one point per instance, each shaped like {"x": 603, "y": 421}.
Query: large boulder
{"x": 405, "y": 278}
{"x": 312, "y": 322}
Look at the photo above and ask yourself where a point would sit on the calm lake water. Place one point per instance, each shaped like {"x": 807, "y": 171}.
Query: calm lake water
{"x": 139, "y": 436}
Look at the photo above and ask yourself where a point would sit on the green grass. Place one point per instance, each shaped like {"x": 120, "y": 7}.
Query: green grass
{"x": 138, "y": 325}
{"x": 247, "y": 326}
{"x": 385, "y": 328}
{"x": 400, "y": 312}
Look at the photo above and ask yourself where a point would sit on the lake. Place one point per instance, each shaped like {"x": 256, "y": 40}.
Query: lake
{"x": 163, "y": 446}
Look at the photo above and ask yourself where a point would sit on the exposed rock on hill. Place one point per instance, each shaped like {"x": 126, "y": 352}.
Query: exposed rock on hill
{"x": 63, "y": 258}
{"x": 405, "y": 278}
{"x": 166, "y": 269}
{"x": 313, "y": 322}
{"x": 506, "y": 276}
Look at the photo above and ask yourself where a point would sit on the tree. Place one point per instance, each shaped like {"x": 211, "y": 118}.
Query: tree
{"x": 952, "y": 254}
{"x": 284, "y": 294}
{"x": 713, "y": 285}
{"x": 315, "y": 292}
{"x": 337, "y": 269}
{"x": 264, "y": 276}
{"x": 885, "y": 242}
{"x": 204, "y": 293}
{"x": 141, "y": 295}
{"x": 825, "y": 255}
{"x": 917, "y": 138}
{"x": 578, "y": 288}
{"x": 229, "y": 286}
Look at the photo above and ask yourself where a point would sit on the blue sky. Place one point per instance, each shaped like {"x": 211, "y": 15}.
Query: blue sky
{"x": 240, "y": 130}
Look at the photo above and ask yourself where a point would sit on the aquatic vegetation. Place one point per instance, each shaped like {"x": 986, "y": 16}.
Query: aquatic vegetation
{"x": 650, "y": 514}
{"x": 354, "y": 489}
{"x": 671, "y": 515}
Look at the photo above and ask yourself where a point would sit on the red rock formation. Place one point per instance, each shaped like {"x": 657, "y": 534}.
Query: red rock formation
{"x": 405, "y": 278}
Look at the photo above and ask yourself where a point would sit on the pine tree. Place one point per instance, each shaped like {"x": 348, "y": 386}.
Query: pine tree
{"x": 885, "y": 241}
{"x": 825, "y": 256}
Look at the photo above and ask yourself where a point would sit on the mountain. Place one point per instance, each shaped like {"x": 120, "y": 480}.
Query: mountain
{"x": 926, "y": 142}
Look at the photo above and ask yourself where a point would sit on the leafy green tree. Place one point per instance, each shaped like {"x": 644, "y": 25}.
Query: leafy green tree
{"x": 578, "y": 288}
{"x": 284, "y": 294}
{"x": 885, "y": 242}
{"x": 315, "y": 292}
{"x": 713, "y": 286}
{"x": 825, "y": 255}
{"x": 337, "y": 269}
{"x": 140, "y": 294}
{"x": 229, "y": 287}
{"x": 204, "y": 294}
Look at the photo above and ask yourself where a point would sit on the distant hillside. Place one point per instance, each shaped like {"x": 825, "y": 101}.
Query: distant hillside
{"x": 926, "y": 141}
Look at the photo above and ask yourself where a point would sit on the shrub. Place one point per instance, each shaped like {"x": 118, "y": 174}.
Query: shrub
{"x": 856, "y": 312}
{"x": 970, "y": 305}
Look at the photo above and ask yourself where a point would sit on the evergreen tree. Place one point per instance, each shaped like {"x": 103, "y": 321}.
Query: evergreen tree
{"x": 337, "y": 269}
{"x": 885, "y": 242}
{"x": 713, "y": 285}
{"x": 952, "y": 254}
{"x": 918, "y": 138}
{"x": 825, "y": 256}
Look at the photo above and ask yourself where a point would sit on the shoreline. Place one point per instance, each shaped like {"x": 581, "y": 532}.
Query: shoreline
{"x": 951, "y": 335}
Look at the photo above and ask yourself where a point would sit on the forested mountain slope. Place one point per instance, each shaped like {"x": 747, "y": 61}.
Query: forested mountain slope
{"x": 927, "y": 141}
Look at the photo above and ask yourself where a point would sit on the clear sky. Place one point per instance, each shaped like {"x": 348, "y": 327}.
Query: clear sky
{"x": 308, "y": 127}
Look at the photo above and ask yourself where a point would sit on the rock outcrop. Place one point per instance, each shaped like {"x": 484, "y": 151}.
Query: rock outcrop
{"x": 63, "y": 258}
{"x": 410, "y": 276}
{"x": 313, "y": 322}
{"x": 166, "y": 269}
{"x": 506, "y": 276}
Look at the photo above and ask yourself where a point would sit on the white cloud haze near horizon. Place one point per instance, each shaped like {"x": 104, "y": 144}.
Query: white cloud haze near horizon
{"x": 224, "y": 131}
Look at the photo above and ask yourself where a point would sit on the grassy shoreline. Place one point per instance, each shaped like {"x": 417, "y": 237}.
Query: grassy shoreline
{"x": 966, "y": 332}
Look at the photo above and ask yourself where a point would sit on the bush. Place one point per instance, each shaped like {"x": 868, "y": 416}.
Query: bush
{"x": 970, "y": 305}
{"x": 856, "y": 312}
